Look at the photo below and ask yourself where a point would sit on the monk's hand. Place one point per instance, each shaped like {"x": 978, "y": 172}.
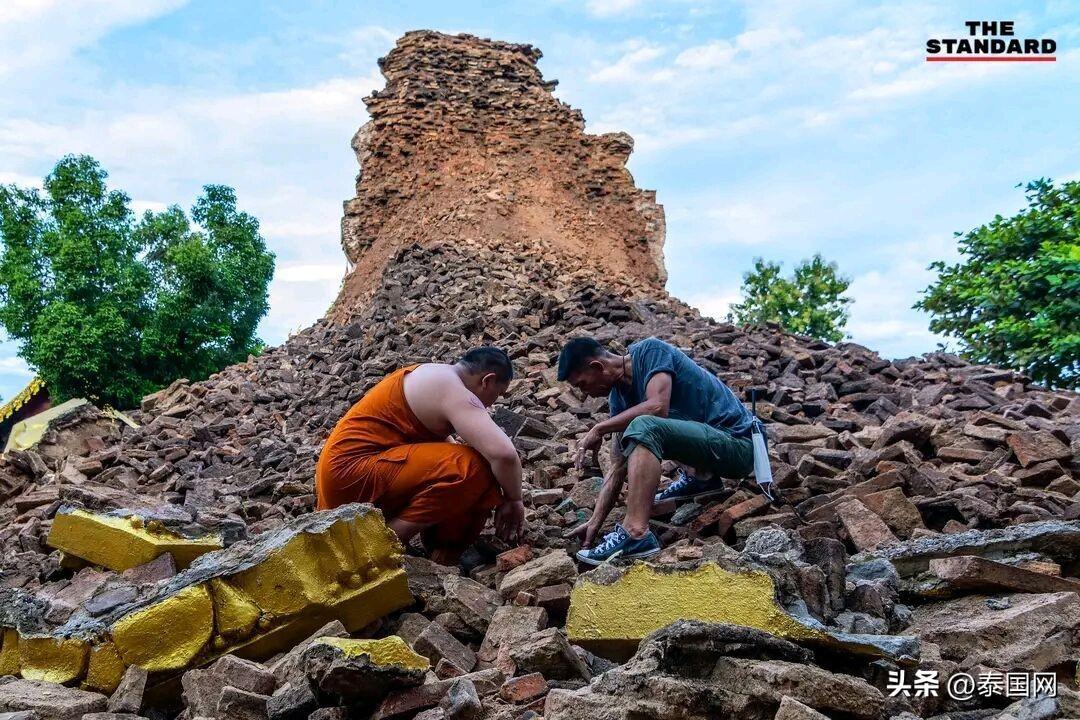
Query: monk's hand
{"x": 509, "y": 520}
{"x": 589, "y": 443}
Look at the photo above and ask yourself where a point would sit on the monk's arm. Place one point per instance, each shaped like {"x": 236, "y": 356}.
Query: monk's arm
{"x": 473, "y": 425}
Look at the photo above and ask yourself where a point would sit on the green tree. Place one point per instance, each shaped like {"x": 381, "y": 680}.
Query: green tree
{"x": 110, "y": 307}
{"x": 810, "y": 302}
{"x": 1014, "y": 299}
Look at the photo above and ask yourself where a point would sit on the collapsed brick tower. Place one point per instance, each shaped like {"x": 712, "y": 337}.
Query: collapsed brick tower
{"x": 916, "y": 489}
{"x": 467, "y": 142}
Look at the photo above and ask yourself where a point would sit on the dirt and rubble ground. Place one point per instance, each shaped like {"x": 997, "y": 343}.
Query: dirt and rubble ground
{"x": 927, "y": 499}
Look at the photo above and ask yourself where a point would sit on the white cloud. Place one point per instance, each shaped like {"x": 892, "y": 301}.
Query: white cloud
{"x": 141, "y": 206}
{"x": 629, "y": 67}
{"x": 752, "y": 223}
{"x": 294, "y": 305}
{"x": 15, "y": 366}
{"x": 315, "y": 272}
{"x": 707, "y": 57}
{"x": 716, "y": 304}
{"x": 882, "y": 317}
{"x": 790, "y": 69}
{"x": 300, "y": 293}
{"x": 13, "y": 178}
{"x": 39, "y": 32}
{"x": 611, "y": 8}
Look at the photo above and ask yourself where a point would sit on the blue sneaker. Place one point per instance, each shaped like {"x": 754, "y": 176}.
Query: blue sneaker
{"x": 619, "y": 544}
{"x": 686, "y": 487}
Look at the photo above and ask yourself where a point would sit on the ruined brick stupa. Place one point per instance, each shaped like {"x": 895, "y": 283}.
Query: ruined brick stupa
{"x": 931, "y": 511}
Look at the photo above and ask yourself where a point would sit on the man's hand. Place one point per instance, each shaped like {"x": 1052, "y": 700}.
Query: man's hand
{"x": 589, "y": 443}
{"x": 587, "y": 532}
{"x": 509, "y": 520}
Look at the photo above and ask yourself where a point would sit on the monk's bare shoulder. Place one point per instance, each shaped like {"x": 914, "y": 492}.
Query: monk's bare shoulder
{"x": 433, "y": 390}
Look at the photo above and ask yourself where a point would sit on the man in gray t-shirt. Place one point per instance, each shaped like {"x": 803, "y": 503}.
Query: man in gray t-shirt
{"x": 663, "y": 406}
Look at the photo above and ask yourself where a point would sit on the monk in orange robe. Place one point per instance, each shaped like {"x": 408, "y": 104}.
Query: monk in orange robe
{"x": 393, "y": 449}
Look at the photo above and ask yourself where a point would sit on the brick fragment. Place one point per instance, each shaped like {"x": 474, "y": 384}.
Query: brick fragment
{"x": 437, "y": 644}
{"x": 524, "y": 688}
{"x": 866, "y": 530}
{"x": 507, "y": 561}
{"x": 1036, "y": 447}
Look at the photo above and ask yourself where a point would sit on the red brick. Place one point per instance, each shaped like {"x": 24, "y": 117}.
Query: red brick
{"x": 445, "y": 670}
{"x": 866, "y": 530}
{"x": 524, "y": 688}
{"x": 1036, "y": 447}
{"x": 970, "y": 573}
{"x": 741, "y": 511}
{"x": 712, "y": 513}
{"x": 507, "y": 561}
{"x": 554, "y": 598}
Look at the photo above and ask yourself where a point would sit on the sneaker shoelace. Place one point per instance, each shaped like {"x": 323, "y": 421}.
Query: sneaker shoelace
{"x": 610, "y": 541}
{"x": 681, "y": 481}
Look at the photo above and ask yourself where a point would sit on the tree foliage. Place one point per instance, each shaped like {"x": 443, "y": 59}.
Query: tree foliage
{"x": 111, "y": 307}
{"x": 1014, "y": 299}
{"x": 810, "y": 302}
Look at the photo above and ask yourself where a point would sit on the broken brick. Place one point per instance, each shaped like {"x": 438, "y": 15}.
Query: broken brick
{"x": 1036, "y": 447}
{"x": 524, "y": 688}
{"x": 866, "y": 530}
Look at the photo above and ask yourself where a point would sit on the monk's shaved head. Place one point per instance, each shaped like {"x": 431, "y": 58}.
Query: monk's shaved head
{"x": 488, "y": 359}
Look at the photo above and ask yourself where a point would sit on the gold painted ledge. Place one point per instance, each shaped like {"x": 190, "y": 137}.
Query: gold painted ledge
{"x": 611, "y": 618}
{"x": 388, "y": 651}
{"x": 254, "y": 599}
{"x": 121, "y": 543}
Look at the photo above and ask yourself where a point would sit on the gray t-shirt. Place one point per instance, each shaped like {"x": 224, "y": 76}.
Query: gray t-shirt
{"x": 695, "y": 393}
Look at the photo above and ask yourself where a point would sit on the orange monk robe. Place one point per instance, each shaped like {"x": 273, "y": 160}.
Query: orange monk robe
{"x": 381, "y": 453}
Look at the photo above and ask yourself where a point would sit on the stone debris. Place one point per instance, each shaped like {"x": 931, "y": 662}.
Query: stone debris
{"x": 49, "y": 700}
{"x": 257, "y": 597}
{"x": 930, "y": 515}
{"x": 128, "y": 696}
{"x": 362, "y": 672}
{"x": 699, "y": 670}
{"x": 204, "y": 689}
{"x": 123, "y": 543}
{"x": 1035, "y": 631}
{"x": 969, "y": 574}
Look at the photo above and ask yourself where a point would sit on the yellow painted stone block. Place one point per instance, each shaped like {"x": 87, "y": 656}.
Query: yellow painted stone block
{"x": 169, "y": 634}
{"x": 53, "y": 659}
{"x": 9, "y": 652}
{"x": 344, "y": 566}
{"x": 120, "y": 543}
{"x": 105, "y": 669}
{"x": 390, "y": 650}
{"x": 324, "y": 569}
{"x": 612, "y": 619}
{"x": 235, "y": 616}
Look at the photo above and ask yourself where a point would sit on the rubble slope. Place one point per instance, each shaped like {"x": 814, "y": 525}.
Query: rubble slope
{"x": 484, "y": 214}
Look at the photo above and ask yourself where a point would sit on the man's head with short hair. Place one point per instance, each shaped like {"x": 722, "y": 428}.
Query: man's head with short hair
{"x": 589, "y": 366}
{"x": 487, "y": 372}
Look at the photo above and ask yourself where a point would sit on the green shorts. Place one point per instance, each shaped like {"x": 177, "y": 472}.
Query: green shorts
{"x": 698, "y": 445}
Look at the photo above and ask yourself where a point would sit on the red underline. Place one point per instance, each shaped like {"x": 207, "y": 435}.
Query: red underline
{"x": 990, "y": 58}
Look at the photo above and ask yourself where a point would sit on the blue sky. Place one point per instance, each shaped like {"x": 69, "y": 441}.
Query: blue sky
{"x": 772, "y": 129}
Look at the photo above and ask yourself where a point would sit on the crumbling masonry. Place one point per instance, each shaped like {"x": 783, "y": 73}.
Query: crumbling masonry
{"x": 932, "y": 522}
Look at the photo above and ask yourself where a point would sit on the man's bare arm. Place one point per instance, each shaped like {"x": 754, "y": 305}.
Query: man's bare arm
{"x": 657, "y": 401}
{"x": 613, "y": 483}
{"x": 609, "y": 495}
{"x": 473, "y": 425}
